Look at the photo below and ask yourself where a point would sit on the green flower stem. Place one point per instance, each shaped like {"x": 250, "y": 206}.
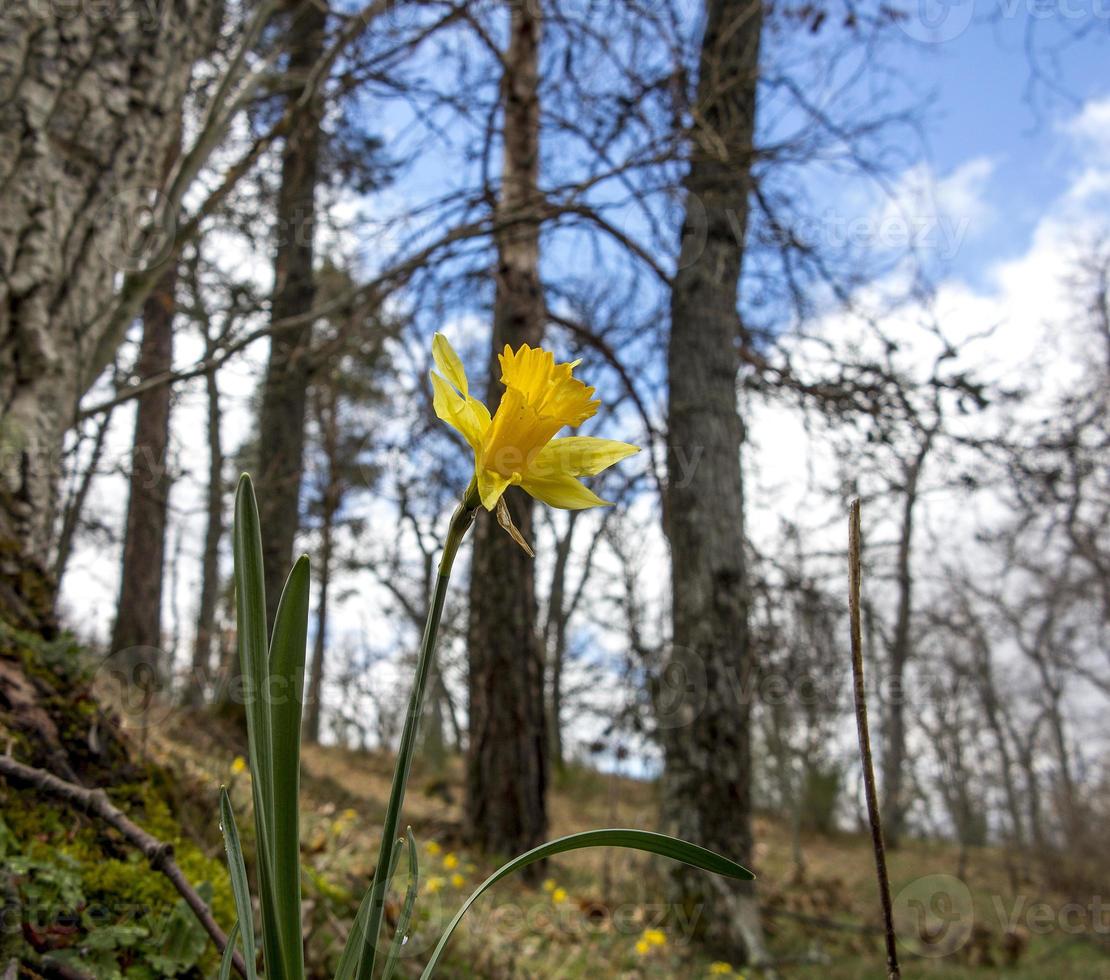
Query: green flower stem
{"x": 460, "y": 524}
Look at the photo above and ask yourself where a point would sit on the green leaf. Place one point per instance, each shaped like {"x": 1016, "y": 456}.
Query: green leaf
{"x": 352, "y": 951}
{"x": 405, "y": 917}
{"x": 229, "y": 952}
{"x": 640, "y": 840}
{"x": 349, "y": 959}
{"x": 285, "y": 691}
{"x": 239, "y": 887}
{"x": 250, "y": 596}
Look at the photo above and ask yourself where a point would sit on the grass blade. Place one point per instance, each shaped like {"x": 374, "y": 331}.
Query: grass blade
{"x": 240, "y": 889}
{"x": 640, "y": 840}
{"x": 229, "y": 952}
{"x": 286, "y": 690}
{"x": 405, "y": 916}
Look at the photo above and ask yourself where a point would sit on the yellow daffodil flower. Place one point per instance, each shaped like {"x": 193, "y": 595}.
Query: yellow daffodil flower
{"x": 516, "y": 445}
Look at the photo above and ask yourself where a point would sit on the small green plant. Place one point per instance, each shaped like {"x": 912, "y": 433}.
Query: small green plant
{"x": 515, "y": 446}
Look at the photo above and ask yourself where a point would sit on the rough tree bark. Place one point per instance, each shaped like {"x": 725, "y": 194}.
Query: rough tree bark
{"x": 138, "y": 628}
{"x": 285, "y": 388}
{"x": 90, "y": 100}
{"x": 706, "y": 734}
{"x": 507, "y": 760}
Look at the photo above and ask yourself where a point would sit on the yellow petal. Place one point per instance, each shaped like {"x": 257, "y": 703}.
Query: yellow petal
{"x": 468, "y": 415}
{"x": 490, "y": 486}
{"x": 561, "y": 490}
{"x": 580, "y": 456}
{"x": 448, "y": 363}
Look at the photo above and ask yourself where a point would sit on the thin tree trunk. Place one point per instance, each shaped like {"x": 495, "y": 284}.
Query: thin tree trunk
{"x": 285, "y": 388}
{"x": 319, "y": 646}
{"x": 329, "y": 427}
{"x": 137, "y": 634}
{"x": 506, "y": 810}
{"x": 555, "y": 639}
{"x": 71, "y": 168}
{"x": 75, "y": 506}
{"x": 210, "y": 563}
{"x": 992, "y": 711}
{"x": 901, "y": 650}
{"x": 707, "y": 742}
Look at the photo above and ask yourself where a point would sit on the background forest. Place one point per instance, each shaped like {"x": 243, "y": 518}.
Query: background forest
{"x": 806, "y": 252}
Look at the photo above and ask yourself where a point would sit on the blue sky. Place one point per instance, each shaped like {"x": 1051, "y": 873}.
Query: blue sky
{"x": 990, "y": 105}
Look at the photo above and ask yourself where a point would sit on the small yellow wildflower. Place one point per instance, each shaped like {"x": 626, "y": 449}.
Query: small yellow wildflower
{"x": 655, "y": 937}
{"x": 348, "y": 816}
{"x": 516, "y": 445}
{"x": 642, "y": 947}
{"x": 559, "y": 896}
{"x": 450, "y": 862}
{"x": 720, "y": 969}
{"x": 434, "y": 885}
{"x": 432, "y": 848}
{"x": 238, "y": 766}
{"x": 549, "y": 885}
{"x": 457, "y": 880}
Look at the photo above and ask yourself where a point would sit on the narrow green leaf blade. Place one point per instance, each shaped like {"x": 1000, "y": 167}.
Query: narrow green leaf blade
{"x": 250, "y": 597}
{"x": 285, "y": 691}
{"x": 349, "y": 962}
{"x": 240, "y": 889}
{"x": 229, "y": 952}
{"x": 640, "y": 840}
{"x": 405, "y": 917}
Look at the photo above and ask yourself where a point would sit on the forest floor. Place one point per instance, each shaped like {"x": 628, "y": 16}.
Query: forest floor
{"x": 595, "y": 914}
{"x": 591, "y": 912}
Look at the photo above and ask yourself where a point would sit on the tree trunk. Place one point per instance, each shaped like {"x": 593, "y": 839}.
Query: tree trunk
{"x": 75, "y": 505}
{"x": 328, "y": 418}
{"x": 555, "y": 639}
{"x": 137, "y": 635}
{"x": 319, "y": 646}
{"x": 992, "y": 711}
{"x": 210, "y": 563}
{"x": 89, "y": 105}
{"x": 285, "y": 388}
{"x": 706, "y": 740}
{"x": 507, "y": 759}
{"x": 901, "y": 649}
